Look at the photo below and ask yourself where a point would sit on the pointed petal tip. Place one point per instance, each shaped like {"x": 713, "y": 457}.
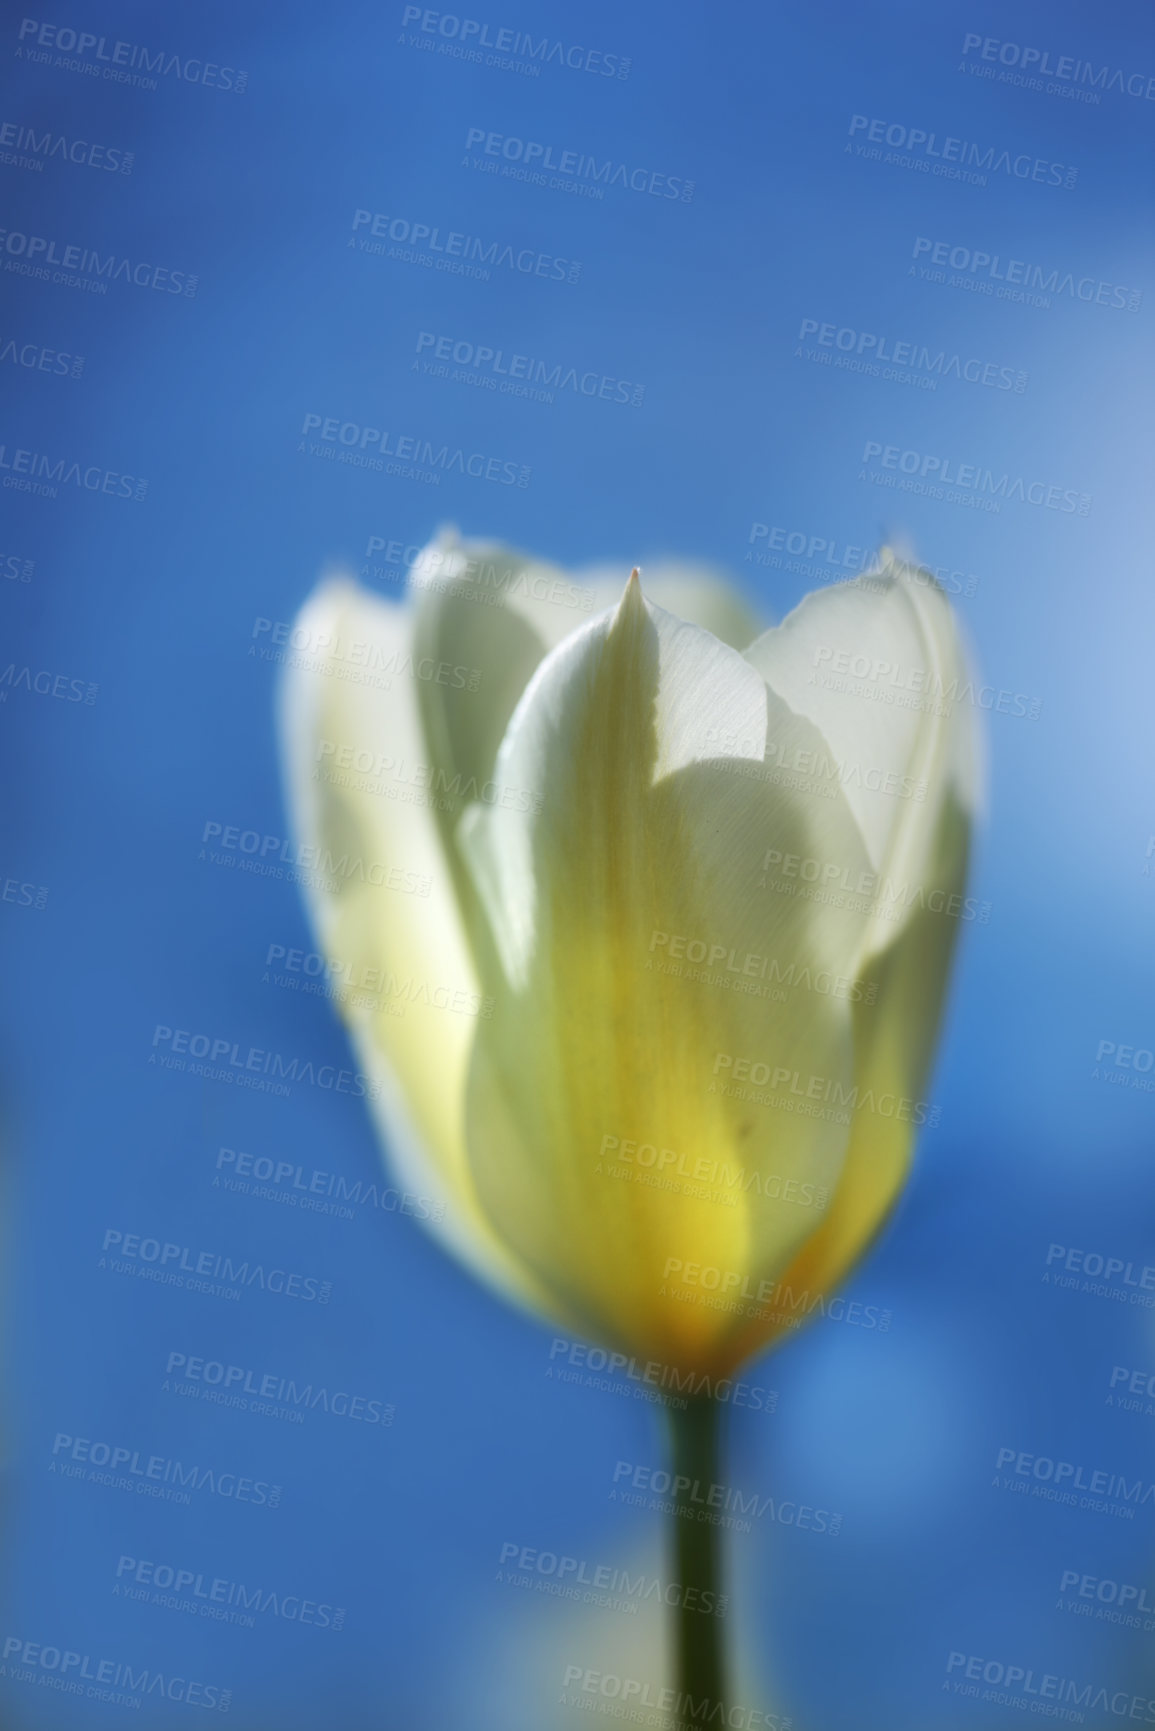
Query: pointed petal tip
{"x": 632, "y": 600}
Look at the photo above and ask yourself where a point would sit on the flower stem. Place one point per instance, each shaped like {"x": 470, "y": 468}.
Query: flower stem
{"x": 695, "y": 1435}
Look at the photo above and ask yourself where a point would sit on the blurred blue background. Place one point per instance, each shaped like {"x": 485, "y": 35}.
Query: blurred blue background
{"x": 153, "y": 601}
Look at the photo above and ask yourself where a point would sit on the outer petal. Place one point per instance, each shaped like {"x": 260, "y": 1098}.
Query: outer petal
{"x": 647, "y": 833}
{"x": 357, "y": 785}
{"x": 894, "y": 1049}
{"x": 486, "y": 574}
{"x": 484, "y": 617}
{"x": 877, "y": 664}
{"x": 924, "y": 857}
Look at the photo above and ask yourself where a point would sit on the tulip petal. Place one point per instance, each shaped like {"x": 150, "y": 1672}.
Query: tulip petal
{"x": 355, "y": 768}
{"x": 877, "y": 664}
{"x": 894, "y": 1049}
{"x": 922, "y": 848}
{"x": 483, "y": 621}
{"x": 649, "y": 831}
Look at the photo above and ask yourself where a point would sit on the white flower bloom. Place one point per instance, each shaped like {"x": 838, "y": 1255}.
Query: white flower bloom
{"x": 692, "y": 895}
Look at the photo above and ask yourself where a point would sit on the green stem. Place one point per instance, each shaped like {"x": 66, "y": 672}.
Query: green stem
{"x": 695, "y": 1436}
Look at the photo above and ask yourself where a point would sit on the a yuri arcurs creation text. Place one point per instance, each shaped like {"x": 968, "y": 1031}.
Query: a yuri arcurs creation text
{"x": 697, "y": 889}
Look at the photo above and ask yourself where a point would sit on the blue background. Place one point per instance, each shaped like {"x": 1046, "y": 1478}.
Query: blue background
{"x": 155, "y": 602}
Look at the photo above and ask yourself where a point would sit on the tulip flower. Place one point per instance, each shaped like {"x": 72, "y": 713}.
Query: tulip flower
{"x": 668, "y": 907}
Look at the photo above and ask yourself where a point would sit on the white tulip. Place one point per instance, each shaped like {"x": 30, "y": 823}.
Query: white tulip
{"x": 691, "y": 892}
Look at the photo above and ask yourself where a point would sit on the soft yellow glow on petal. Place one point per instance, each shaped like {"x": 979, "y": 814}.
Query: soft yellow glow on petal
{"x": 650, "y": 832}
